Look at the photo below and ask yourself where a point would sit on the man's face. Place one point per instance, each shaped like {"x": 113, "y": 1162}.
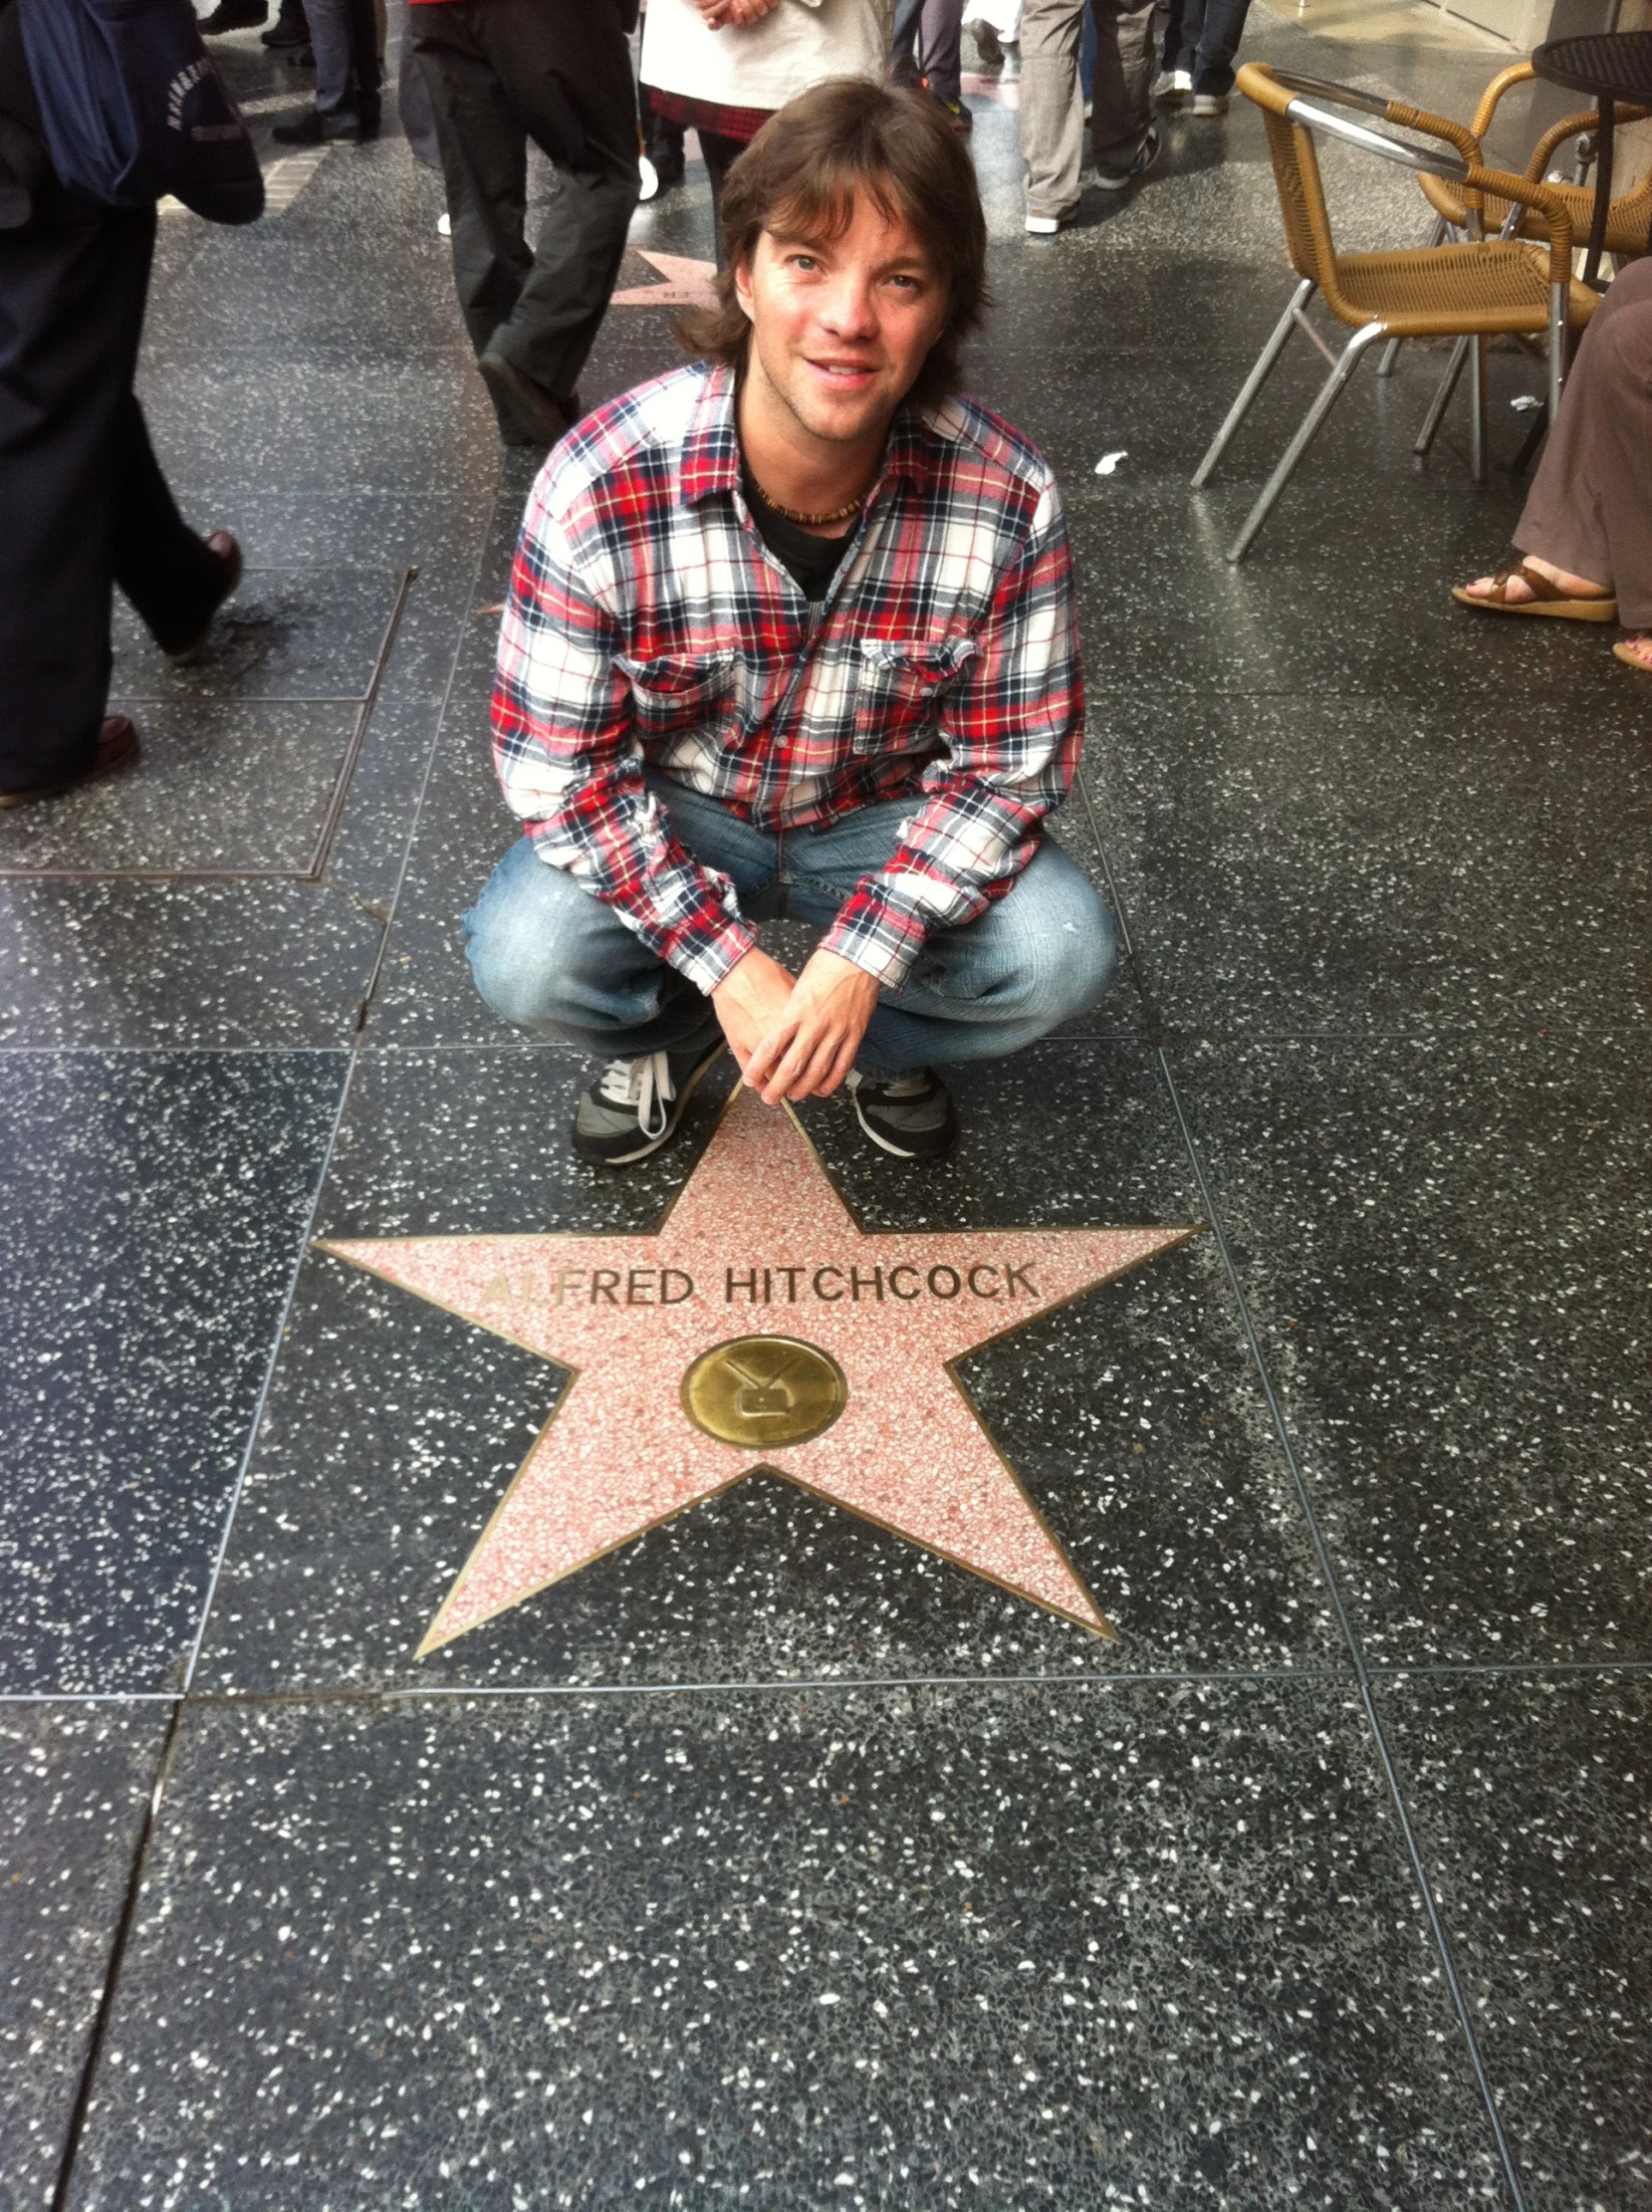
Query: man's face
{"x": 840, "y": 326}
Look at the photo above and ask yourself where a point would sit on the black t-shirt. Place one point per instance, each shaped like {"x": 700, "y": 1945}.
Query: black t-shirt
{"x": 813, "y": 561}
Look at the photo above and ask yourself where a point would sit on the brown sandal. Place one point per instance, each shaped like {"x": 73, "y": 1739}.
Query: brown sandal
{"x": 1547, "y": 599}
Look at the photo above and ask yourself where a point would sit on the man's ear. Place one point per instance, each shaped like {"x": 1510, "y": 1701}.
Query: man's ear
{"x": 743, "y": 289}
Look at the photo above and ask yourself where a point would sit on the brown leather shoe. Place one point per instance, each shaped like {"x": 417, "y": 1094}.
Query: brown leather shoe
{"x": 116, "y": 748}
{"x": 528, "y": 414}
{"x": 224, "y": 546}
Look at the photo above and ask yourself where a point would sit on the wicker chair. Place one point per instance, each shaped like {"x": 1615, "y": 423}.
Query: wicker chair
{"x": 1629, "y": 217}
{"x": 1470, "y": 291}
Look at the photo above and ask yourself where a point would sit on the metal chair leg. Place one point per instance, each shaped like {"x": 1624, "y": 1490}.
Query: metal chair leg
{"x": 1477, "y": 409}
{"x": 1442, "y": 399}
{"x": 1254, "y": 381}
{"x": 1330, "y": 393}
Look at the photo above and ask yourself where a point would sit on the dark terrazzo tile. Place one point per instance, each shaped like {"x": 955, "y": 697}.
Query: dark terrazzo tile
{"x": 1133, "y": 1418}
{"x": 1162, "y": 612}
{"x": 322, "y": 425}
{"x": 276, "y": 965}
{"x": 220, "y": 785}
{"x": 72, "y": 1784}
{"x": 388, "y": 530}
{"x": 1530, "y": 1794}
{"x": 1445, "y": 1249}
{"x": 292, "y": 634}
{"x": 1338, "y": 862}
{"x": 153, "y": 1206}
{"x": 901, "y": 1949}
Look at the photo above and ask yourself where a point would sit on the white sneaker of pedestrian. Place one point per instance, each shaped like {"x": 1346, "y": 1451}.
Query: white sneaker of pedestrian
{"x": 650, "y": 179}
{"x": 1172, "y": 85}
{"x": 1210, "y": 104}
{"x": 445, "y": 224}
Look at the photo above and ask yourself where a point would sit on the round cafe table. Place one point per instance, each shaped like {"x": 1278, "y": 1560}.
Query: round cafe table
{"x": 1610, "y": 66}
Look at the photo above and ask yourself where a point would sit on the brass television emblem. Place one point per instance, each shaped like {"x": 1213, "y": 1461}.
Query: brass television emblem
{"x": 763, "y": 1391}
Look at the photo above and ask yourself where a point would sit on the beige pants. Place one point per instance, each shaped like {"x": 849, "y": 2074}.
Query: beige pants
{"x": 1590, "y": 509}
{"x": 1053, "y": 100}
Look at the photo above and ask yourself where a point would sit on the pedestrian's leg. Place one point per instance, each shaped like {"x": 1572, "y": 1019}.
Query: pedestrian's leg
{"x": 74, "y": 287}
{"x": 1052, "y": 107}
{"x": 566, "y": 73}
{"x": 719, "y": 154}
{"x": 1122, "y": 110}
{"x": 1219, "y": 37}
{"x": 1181, "y": 36}
{"x": 484, "y": 152}
{"x": 940, "y": 50}
{"x": 367, "y": 73}
{"x": 172, "y": 577}
{"x": 1589, "y": 512}
{"x": 905, "y": 69}
{"x": 330, "y": 41}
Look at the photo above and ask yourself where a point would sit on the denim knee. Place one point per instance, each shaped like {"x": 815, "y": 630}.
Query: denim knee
{"x": 1062, "y": 953}
{"x": 530, "y": 939}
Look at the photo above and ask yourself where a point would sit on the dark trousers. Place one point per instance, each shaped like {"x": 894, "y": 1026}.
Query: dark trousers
{"x": 927, "y": 45}
{"x": 1202, "y": 37}
{"x": 82, "y": 502}
{"x": 501, "y": 72}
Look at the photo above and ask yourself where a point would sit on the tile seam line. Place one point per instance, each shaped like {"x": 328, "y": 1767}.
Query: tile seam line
{"x": 764, "y": 1686}
{"x": 1362, "y": 1675}
{"x": 352, "y": 1063}
{"x": 461, "y": 637}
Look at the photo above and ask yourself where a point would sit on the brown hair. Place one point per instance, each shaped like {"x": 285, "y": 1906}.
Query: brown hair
{"x": 806, "y": 167}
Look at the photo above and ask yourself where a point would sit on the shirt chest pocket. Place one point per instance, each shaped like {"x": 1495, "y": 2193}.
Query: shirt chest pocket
{"x": 676, "y": 692}
{"x": 898, "y": 690}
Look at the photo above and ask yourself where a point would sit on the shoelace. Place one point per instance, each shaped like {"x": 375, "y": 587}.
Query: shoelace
{"x": 644, "y": 1084}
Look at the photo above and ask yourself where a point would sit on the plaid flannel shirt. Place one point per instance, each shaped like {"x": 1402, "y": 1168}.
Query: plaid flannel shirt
{"x": 647, "y": 624}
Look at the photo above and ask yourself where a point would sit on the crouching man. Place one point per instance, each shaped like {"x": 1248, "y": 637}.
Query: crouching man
{"x": 791, "y": 633}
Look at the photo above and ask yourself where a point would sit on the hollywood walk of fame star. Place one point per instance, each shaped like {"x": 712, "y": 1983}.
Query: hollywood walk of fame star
{"x": 759, "y": 1326}
{"x": 687, "y": 283}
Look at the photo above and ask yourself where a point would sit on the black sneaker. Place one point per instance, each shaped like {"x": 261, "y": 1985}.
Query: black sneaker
{"x": 1114, "y": 180}
{"x": 912, "y": 1117}
{"x": 233, "y": 15}
{"x": 634, "y": 1106}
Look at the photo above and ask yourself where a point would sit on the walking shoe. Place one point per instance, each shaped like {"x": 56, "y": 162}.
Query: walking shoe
{"x": 529, "y": 412}
{"x": 229, "y": 553}
{"x": 116, "y": 746}
{"x": 634, "y": 1106}
{"x": 1114, "y": 180}
{"x": 960, "y": 118}
{"x": 1046, "y": 226}
{"x": 911, "y": 1115}
{"x": 317, "y": 130}
{"x": 1172, "y": 85}
{"x": 1210, "y": 104}
{"x": 233, "y": 15}
{"x": 987, "y": 43}
{"x": 290, "y": 28}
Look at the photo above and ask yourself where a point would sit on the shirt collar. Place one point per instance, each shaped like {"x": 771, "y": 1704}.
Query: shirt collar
{"x": 711, "y": 448}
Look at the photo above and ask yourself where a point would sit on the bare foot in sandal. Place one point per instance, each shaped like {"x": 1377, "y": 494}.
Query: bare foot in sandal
{"x": 1636, "y": 649}
{"x": 1537, "y": 587}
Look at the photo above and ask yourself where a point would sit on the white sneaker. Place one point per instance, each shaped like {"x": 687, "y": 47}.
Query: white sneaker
{"x": 1172, "y": 85}
{"x": 1044, "y": 226}
{"x": 1210, "y": 104}
{"x": 445, "y": 224}
{"x": 650, "y": 179}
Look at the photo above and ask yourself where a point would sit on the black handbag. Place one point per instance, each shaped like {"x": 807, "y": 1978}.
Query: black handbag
{"x": 133, "y": 107}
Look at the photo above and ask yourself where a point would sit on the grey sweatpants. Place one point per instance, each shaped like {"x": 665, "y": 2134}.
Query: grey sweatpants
{"x": 1590, "y": 509}
{"x": 1053, "y": 100}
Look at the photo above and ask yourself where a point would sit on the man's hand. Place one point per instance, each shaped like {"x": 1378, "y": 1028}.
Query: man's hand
{"x": 732, "y": 14}
{"x": 794, "y": 1040}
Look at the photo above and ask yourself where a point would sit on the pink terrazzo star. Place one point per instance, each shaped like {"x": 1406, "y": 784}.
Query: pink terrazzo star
{"x": 758, "y": 1244}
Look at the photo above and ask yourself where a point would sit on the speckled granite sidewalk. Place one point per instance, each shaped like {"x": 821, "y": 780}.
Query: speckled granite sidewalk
{"x": 783, "y": 1857}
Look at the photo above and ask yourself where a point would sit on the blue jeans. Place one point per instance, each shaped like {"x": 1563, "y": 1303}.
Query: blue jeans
{"x": 1202, "y": 37}
{"x": 557, "y": 962}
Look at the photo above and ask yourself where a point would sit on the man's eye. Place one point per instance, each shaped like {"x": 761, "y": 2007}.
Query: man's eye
{"x": 804, "y": 261}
